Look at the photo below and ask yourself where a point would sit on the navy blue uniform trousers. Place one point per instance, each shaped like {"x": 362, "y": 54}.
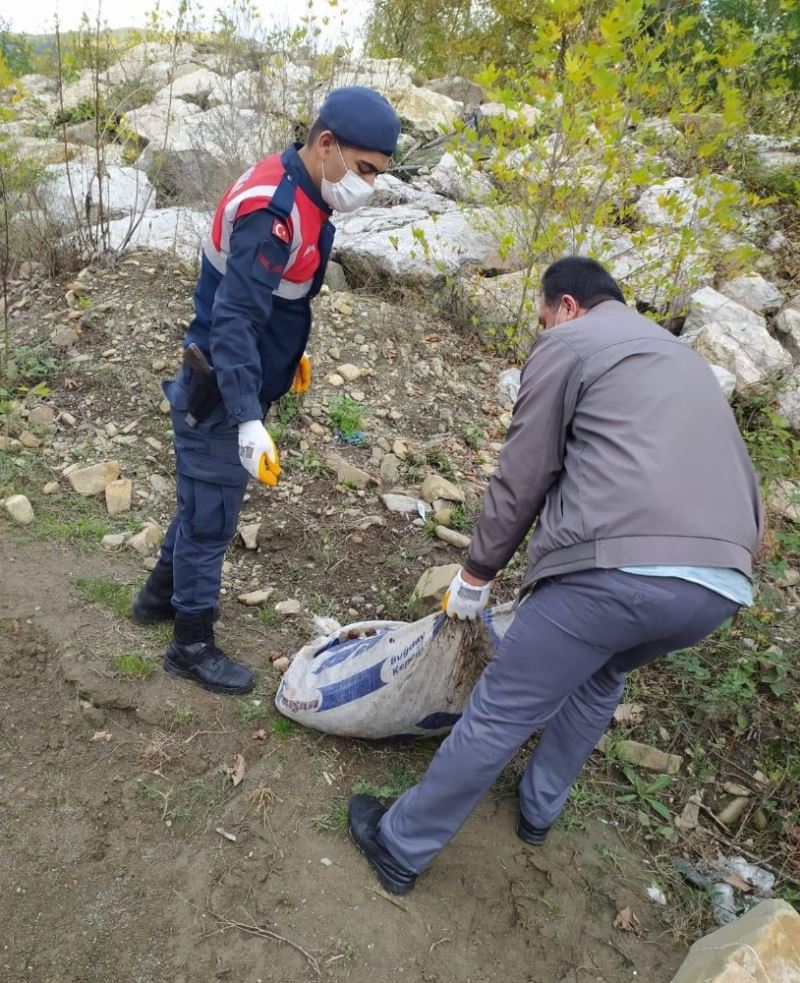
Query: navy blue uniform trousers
{"x": 211, "y": 485}
{"x": 561, "y": 666}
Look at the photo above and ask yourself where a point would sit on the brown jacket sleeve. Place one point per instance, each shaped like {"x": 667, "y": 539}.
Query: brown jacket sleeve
{"x": 532, "y": 456}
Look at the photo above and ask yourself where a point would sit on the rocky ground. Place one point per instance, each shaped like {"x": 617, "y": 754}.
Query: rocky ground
{"x": 133, "y": 851}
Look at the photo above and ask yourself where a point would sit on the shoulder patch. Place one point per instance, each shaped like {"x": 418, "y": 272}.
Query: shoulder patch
{"x": 280, "y": 230}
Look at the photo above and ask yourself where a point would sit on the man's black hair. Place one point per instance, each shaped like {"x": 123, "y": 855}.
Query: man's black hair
{"x": 317, "y": 129}
{"x": 583, "y": 278}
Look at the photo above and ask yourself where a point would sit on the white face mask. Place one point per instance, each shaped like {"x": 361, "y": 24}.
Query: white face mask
{"x": 347, "y": 194}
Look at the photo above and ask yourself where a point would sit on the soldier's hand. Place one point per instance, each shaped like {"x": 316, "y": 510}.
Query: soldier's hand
{"x": 258, "y": 453}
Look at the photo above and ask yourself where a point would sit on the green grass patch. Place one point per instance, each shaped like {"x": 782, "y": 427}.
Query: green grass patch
{"x": 283, "y": 727}
{"x": 134, "y": 665}
{"x": 108, "y": 593}
{"x": 334, "y": 819}
{"x": 346, "y": 416}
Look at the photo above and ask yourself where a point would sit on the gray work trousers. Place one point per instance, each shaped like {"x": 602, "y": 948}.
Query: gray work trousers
{"x": 562, "y": 666}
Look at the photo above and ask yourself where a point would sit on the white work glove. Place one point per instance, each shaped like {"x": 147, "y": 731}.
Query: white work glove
{"x": 258, "y": 453}
{"x": 464, "y": 600}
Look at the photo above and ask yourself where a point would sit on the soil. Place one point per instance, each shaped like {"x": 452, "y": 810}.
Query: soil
{"x": 115, "y": 869}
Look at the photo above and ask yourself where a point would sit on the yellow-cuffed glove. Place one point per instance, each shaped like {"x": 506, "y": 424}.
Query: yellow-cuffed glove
{"x": 302, "y": 377}
{"x": 258, "y": 453}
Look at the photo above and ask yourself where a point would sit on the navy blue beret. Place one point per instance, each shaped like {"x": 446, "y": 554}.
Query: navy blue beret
{"x": 362, "y": 118}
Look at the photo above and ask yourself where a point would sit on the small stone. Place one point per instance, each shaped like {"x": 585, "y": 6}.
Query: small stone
{"x": 20, "y": 509}
{"x": 50, "y": 488}
{"x": 113, "y": 541}
{"x": 734, "y": 788}
{"x": 341, "y": 306}
{"x": 443, "y": 517}
{"x": 760, "y": 820}
{"x": 64, "y": 337}
{"x": 94, "y": 479}
{"x": 401, "y": 503}
{"x": 290, "y": 607}
{"x": 690, "y": 817}
{"x": 67, "y": 418}
{"x": 151, "y": 562}
{"x": 118, "y": 496}
{"x": 164, "y": 406}
{"x": 147, "y": 539}
{"x": 42, "y": 414}
{"x": 457, "y": 539}
{"x": 400, "y": 449}
{"x": 646, "y": 756}
{"x": 255, "y": 598}
{"x": 732, "y": 812}
{"x": 784, "y": 497}
{"x": 431, "y": 588}
{"x": 334, "y": 379}
{"x": 281, "y": 664}
{"x": 92, "y": 715}
{"x": 155, "y": 444}
{"x": 28, "y": 439}
{"x": 436, "y": 487}
{"x": 317, "y": 429}
{"x": 349, "y": 475}
{"x": 789, "y": 578}
{"x": 249, "y": 535}
{"x": 349, "y": 372}
{"x": 390, "y": 469}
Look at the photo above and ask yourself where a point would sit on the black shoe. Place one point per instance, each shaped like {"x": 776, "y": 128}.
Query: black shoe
{"x": 193, "y": 655}
{"x": 531, "y": 834}
{"x": 364, "y": 813}
{"x": 153, "y": 603}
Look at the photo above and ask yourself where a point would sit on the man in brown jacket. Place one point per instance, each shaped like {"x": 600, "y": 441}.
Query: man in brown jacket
{"x": 625, "y": 454}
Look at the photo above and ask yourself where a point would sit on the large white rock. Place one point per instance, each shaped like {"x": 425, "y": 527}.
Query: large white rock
{"x": 125, "y": 190}
{"x": 494, "y": 302}
{"x": 427, "y": 111}
{"x": 763, "y": 946}
{"x": 179, "y": 231}
{"x": 726, "y": 380}
{"x": 408, "y": 246}
{"x": 521, "y": 115}
{"x": 681, "y": 201}
{"x": 773, "y": 153}
{"x": 164, "y": 124}
{"x": 787, "y": 324}
{"x": 390, "y": 190}
{"x": 730, "y": 335}
{"x": 659, "y": 131}
{"x": 789, "y": 400}
{"x": 202, "y": 87}
{"x": 456, "y": 177}
{"x": 753, "y": 291}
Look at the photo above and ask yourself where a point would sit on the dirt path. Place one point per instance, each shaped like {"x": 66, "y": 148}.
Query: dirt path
{"x": 114, "y": 871}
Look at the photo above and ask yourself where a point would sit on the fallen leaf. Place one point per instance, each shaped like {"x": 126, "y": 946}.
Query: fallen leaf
{"x": 627, "y": 921}
{"x": 236, "y": 774}
{"x": 738, "y": 883}
{"x": 102, "y": 735}
{"x": 225, "y": 833}
{"x": 259, "y": 735}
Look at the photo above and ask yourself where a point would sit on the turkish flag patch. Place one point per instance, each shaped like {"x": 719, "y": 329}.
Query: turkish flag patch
{"x": 280, "y": 230}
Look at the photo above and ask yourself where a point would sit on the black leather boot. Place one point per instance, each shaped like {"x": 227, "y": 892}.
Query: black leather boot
{"x": 193, "y": 655}
{"x": 533, "y": 835}
{"x": 153, "y": 603}
{"x": 364, "y": 814}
